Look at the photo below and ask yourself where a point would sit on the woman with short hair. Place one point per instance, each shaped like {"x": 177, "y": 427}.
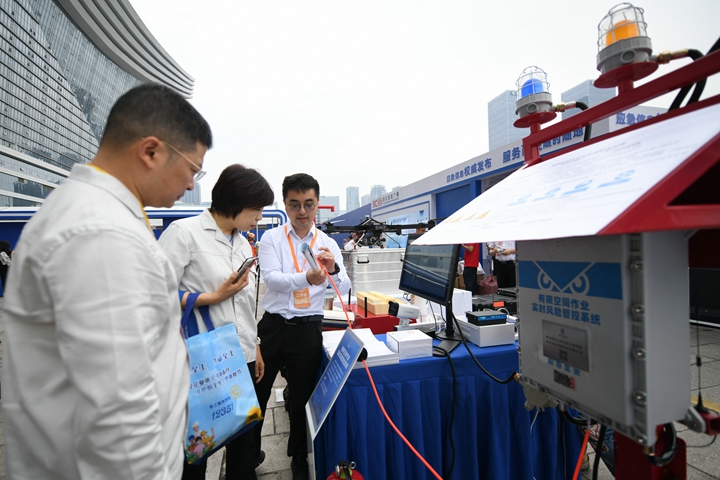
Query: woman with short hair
{"x": 206, "y": 252}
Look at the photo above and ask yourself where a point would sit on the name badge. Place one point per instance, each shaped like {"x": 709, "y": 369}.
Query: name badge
{"x": 302, "y": 298}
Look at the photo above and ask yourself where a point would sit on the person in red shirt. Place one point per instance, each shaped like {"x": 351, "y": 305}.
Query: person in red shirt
{"x": 471, "y": 256}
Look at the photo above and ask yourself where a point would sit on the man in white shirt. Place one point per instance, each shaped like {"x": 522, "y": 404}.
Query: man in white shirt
{"x": 291, "y": 328}
{"x": 95, "y": 374}
{"x": 503, "y": 254}
{"x": 353, "y": 241}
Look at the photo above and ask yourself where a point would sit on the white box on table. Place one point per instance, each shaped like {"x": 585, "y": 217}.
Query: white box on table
{"x": 488, "y": 335}
{"x": 409, "y": 344}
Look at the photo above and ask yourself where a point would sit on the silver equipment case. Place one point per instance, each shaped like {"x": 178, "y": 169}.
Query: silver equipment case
{"x": 374, "y": 269}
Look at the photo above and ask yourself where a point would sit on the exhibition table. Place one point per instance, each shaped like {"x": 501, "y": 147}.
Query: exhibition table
{"x": 491, "y": 431}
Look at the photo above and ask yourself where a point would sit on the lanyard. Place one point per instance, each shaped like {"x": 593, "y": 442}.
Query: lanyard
{"x": 147, "y": 220}
{"x": 292, "y": 248}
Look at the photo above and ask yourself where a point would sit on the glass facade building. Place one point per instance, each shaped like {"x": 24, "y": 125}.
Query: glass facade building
{"x": 501, "y": 116}
{"x": 62, "y": 66}
{"x": 377, "y": 191}
{"x": 192, "y": 197}
{"x": 585, "y": 92}
{"x": 352, "y": 198}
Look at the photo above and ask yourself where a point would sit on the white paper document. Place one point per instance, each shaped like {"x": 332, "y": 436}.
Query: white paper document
{"x": 378, "y": 352}
{"x": 581, "y": 192}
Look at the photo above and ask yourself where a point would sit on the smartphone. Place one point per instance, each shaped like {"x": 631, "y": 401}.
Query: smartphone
{"x": 243, "y": 268}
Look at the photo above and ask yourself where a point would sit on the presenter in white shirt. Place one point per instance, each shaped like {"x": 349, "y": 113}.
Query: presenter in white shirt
{"x": 291, "y": 328}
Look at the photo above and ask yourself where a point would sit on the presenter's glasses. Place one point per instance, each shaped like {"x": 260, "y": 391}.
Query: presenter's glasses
{"x": 308, "y": 207}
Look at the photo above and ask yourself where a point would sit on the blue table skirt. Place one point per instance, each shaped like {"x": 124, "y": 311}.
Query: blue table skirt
{"x": 491, "y": 430}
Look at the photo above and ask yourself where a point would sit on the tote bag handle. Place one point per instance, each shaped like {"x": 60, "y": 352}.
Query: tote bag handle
{"x": 189, "y": 322}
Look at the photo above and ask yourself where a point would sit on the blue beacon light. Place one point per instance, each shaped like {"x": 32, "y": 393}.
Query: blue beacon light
{"x": 533, "y": 95}
{"x": 531, "y": 86}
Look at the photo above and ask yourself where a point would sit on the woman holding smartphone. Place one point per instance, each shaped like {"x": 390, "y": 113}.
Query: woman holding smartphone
{"x": 206, "y": 252}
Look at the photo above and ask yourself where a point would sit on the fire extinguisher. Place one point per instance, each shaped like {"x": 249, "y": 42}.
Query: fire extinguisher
{"x": 345, "y": 471}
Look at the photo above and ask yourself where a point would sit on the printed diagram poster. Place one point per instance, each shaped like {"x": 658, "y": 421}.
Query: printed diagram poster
{"x": 581, "y": 192}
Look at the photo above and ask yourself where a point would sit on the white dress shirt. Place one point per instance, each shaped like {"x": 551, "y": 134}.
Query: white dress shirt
{"x": 507, "y": 245}
{"x": 203, "y": 258}
{"x": 95, "y": 371}
{"x": 282, "y": 279}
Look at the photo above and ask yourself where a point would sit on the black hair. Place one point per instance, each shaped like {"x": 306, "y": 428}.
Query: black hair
{"x": 300, "y": 182}
{"x": 156, "y": 110}
{"x": 239, "y": 187}
{"x": 5, "y": 247}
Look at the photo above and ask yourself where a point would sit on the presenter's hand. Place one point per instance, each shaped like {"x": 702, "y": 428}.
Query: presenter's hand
{"x": 315, "y": 277}
{"x": 325, "y": 258}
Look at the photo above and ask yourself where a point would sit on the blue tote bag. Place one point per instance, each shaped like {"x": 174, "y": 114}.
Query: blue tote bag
{"x": 222, "y": 404}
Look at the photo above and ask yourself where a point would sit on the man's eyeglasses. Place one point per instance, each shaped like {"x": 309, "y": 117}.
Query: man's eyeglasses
{"x": 200, "y": 173}
{"x": 308, "y": 207}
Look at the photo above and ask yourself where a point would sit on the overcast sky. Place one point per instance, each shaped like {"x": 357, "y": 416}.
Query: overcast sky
{"x": 383, "y": 91}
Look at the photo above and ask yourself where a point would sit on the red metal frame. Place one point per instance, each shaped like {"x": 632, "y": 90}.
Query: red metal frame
{"x": 687, "y": 75}
{"x": 685, "y": 199}
{"x": 630, "y": 462}
{"x": 624, "y": 77}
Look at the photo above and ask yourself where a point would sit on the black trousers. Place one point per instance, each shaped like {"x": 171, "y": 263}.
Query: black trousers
{"x": 239, "y": 454}
{"x": 470, "y": 279}
{"x": 298, "y": 348}
{"x": 505, "y": 273}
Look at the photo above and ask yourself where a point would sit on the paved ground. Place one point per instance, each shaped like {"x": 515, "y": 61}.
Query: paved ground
{"x": 703, "y": 463}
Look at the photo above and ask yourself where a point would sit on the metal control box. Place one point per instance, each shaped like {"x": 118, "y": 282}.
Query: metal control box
{"x": 374, "y": 269}
{"x": 604, "y": 326}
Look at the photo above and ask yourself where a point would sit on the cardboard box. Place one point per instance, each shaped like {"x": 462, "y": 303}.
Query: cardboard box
{"x": 409, "y": 344}
{"x": 377, "y": 303}
{"x": 490, "y": 335}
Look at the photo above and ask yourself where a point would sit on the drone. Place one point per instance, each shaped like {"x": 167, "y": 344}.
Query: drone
{"x": 370, "y": 231}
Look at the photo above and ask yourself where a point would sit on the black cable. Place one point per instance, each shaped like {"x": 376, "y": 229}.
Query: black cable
{"x": 257, "y": 290}
{"x": 464, "y": 341}
{"x": 598, "y": 451}
{"x": 698, "y": 361}
{"x": 580, "y": 422}
{"x": 670, "y": 447}
{"x": 452, "y": 410}
{"x": 588, "y": 129}
{"x": 699, "y": 86}
{"x": 433, "y": 314}
{"x": 694, "y": 54}
{"x": 702, "y": 446}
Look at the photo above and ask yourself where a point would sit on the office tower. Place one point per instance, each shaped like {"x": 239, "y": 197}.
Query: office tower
{"x": 192, "y": 197}
{"x": 62, "y": 66}
{"x": 585, "y": 92}
{"x": 377, "y": 191}
{"x": 352, "y": 198}
{"x": 501, "y": 116}
{"x": 365, "y": 199}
